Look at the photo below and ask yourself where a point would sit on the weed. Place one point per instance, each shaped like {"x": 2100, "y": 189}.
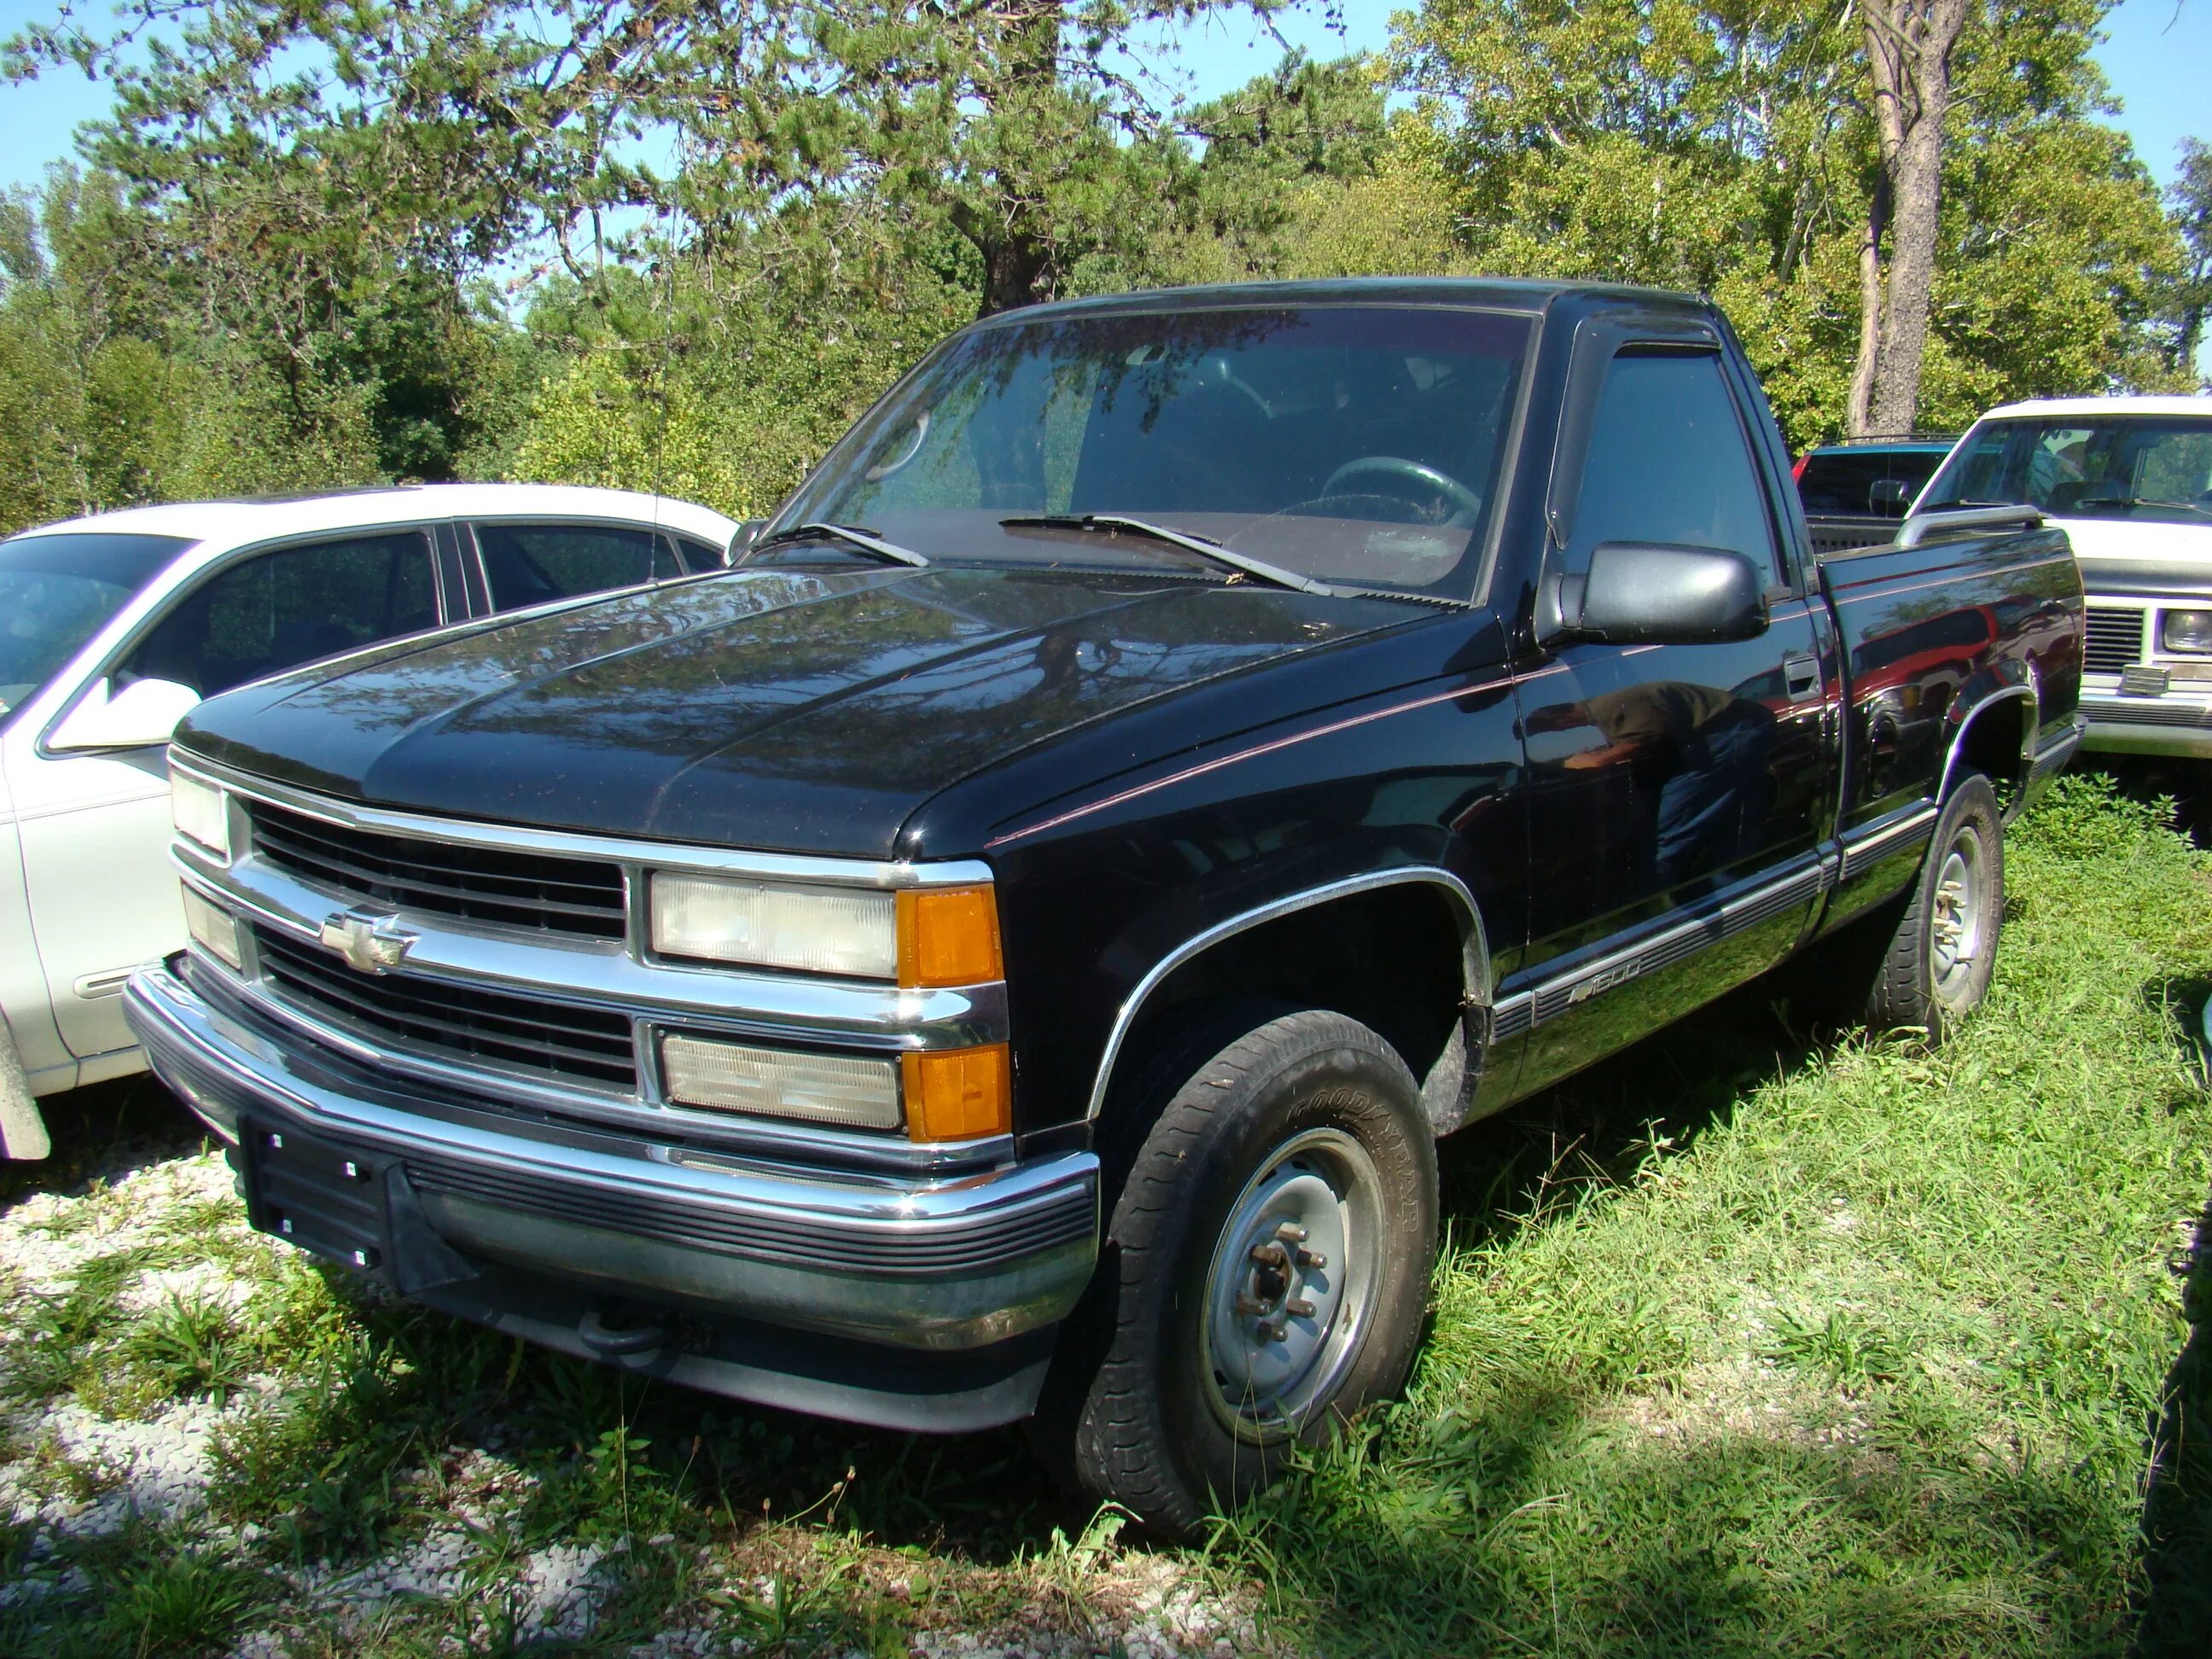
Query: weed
{"x": 188, "y": 1344}
{"x": 181, "y": 1600}
{"x": 1844, "y": 1345}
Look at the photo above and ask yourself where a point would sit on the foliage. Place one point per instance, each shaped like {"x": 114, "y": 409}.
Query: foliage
{"x": 615, "y": 242}
{"x": 1727, "y": 148}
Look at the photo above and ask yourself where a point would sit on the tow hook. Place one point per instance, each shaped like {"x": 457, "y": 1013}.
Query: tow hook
{"x": 610, "y": 1342}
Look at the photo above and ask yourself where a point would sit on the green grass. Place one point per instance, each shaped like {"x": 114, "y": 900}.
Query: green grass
{"x": 1869, "y": 1354}
{"x": 1757, "y": 1339}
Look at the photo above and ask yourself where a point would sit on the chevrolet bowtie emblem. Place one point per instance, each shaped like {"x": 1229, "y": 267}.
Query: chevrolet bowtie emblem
{"x": 370, "y": 941}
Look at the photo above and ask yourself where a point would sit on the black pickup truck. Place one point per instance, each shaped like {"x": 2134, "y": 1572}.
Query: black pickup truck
{"x": 1007, "y": 948}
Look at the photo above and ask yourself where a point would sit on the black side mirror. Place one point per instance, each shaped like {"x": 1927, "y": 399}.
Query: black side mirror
{"x": 1657, "y": 593}
{"x": 741, "y": 543}
{"x": 1888, "y": 498}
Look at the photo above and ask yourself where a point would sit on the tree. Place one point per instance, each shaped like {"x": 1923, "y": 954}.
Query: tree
{"x": 2192, "y": 197}
{"x": 1736, "y": 149}
{"x": 1909, "y": 44}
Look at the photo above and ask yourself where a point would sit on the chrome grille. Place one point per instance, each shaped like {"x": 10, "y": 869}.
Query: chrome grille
{"x": 453, "y": 1021}
{"x": 2116, "y": 639}
{"x": 511, "y": 889}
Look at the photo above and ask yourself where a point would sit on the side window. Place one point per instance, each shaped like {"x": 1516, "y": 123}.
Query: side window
{"x": 701, "y": 555}
{"x": 281, "y": 608}
{"x": 1669, "y": 462}
{"x": 531, "y": 564}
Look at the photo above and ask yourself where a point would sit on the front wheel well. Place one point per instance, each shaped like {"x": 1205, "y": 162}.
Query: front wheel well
{"x": 1398, "y": 959}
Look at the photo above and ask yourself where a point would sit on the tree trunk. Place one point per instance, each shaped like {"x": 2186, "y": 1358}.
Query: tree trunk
{"x": 1018, "y": 267}
{"x": 1909, "y": 44}
{"x": 1017, "y": 272}
{"x": 1869, "y": 311}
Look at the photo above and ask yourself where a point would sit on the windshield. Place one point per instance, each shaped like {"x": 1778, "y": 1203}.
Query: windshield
{"x": 1355, "y": 444}
{"x": 57, "y": 591}
{"x": 2079, "y": 466}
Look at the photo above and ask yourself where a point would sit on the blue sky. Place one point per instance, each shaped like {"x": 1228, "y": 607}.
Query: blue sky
{"x": 2159, "y": 57}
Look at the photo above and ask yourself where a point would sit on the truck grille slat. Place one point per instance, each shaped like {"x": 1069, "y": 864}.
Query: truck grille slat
{"x": 549, "y": 1039}
{"x": 2115, "y": 640}
{"x": 547, "y": 894}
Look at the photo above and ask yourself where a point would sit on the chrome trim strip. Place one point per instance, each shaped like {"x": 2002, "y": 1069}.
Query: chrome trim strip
{"x": 1474, "y": 944}
{"x": 1868, "y": 844}
{"x": 647, "y": 1112}
{"x": 601, "y": 973}
{"x": 2172, "y": 712}
{"x": 2053, "y": 755}
{"x": 613, "y": 849}
{"x": 1607, "y": 966}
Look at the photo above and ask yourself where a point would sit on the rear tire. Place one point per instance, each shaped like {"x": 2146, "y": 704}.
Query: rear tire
{"x": 1265, "y": 1272}
{"x": 1936, "y": 971}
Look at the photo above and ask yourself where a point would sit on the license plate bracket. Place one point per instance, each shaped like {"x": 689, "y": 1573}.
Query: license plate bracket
{"x": 326, "y": 1199}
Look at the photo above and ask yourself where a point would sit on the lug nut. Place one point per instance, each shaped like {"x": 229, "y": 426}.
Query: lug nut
{"x": 1312, "y": 1260}
{"x": 1271, "y": 1255}
{"x": 1299, "y": 1309}
{"x": 1273, "y": 1333}
{"x": 1252, "y": 1304}
{"x": 1291, "y": 1233}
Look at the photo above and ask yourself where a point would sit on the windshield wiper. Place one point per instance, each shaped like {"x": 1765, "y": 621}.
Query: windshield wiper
{"x": 1111, "y": 524}
{"x": 2126, "y": 501}
{"x": 864, "y": 540}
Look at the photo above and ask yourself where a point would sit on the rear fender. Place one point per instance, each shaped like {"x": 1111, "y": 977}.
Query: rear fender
{"x": 2009, "y": 685}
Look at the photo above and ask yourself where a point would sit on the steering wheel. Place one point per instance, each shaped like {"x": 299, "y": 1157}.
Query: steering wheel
{"x": 1469, "y": 504}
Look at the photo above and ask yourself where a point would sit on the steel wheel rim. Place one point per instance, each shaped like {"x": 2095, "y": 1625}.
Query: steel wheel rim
{"x": 1956, "y": 921}
{"x": 1318, "y": 1289}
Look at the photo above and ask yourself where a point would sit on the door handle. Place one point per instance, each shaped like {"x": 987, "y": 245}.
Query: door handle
{"x": 1801, "y": 677}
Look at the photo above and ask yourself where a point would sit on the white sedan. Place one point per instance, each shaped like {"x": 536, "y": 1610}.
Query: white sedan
{"x": 112, "y": 627}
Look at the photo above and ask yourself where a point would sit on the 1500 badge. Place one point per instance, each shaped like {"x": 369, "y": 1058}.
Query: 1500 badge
{"x": 1604, "y": 980}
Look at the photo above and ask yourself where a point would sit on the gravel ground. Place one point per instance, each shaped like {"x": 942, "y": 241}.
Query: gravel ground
{"x": 162, "y": 1349}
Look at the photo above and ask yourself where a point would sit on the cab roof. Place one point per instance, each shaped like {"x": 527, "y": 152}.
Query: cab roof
{"x": 235, "y": 522}
{"x": 2198, "y": 406}
{"x": 1508, "y": 292}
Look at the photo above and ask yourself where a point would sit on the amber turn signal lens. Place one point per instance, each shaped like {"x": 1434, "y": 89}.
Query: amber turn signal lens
{"x": 957, "y": 1094}
{"x": 948, "y": 936}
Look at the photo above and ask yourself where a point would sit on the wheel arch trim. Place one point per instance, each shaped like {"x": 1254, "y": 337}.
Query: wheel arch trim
{"x": 1475, "y": 984}
{"x": 2024, "y": 688}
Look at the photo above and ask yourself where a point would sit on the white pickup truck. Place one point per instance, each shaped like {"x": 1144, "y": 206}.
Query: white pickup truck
{"x": 2130, "y": 480}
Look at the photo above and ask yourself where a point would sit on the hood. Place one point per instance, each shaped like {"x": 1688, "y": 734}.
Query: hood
{"x": 783, "y": 710}
{"x": 2130, "y": 556}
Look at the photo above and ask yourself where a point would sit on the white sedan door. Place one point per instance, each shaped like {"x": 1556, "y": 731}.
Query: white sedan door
{"x": 95, "y": 838}
{"x": 95, "y": 825}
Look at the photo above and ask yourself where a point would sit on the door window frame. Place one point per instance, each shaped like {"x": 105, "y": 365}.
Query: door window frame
{"x": 479, "y": 578}
{"x": 1599, "y": 342}
{"x": 222, "y": 564}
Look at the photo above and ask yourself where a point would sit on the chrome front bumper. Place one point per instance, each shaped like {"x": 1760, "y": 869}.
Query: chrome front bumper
{"x": 919, "y": 1264}
{"x": 2175, "y": 722}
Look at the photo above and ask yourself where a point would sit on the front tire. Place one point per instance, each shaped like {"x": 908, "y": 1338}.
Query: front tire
{"x": 1937, "y": 969}
{"x": 1266, "y": 1269}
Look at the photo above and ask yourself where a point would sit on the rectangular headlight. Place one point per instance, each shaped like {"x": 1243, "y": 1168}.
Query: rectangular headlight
{"x": 216, "y": 929}
{"x": 811, "y": 930}
{"x": 198, "y": 812}
{"x": 733, "y": 1077}
{"x": 2186, "y": 630}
